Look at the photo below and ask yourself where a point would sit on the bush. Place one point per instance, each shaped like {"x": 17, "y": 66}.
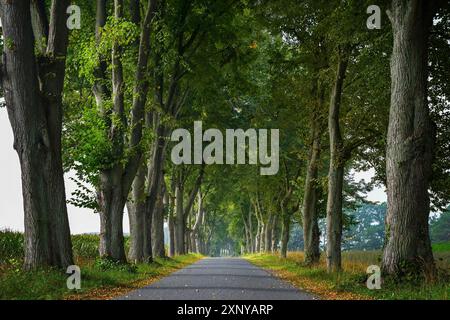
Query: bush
{"x": 85, "y": 246}
{"x": 11, "y": 246}
{"x": 106, "y": 264}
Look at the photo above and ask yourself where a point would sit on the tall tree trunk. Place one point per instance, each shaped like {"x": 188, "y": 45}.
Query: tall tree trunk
{"x": 112, "y": 198}
{"x": 33, "y": 100}
{"x": 198, "y": 223}
{"x": 246, "y": 212}
{"x": 187, "y": 241}
{"x": 285, "y": 229}
{"x": 410, "y": 145}
{"x": 171, "y": 221}
{"x": 262, "y": 237}
{"x": 136, "y": 213}
{"x": 158, "y": 222}
{"x": 258, "y": 236}
{"x": 179, "y": 218}
{"x": 250, "y": 229}
{"x": 310, "y": 217}
{"x": 112, "y": 203}
{"x": 268, "y": 233}
{"x": 155, "y": 178}
{"x": 274, "y": 239}
{"x": 336, "y": 170}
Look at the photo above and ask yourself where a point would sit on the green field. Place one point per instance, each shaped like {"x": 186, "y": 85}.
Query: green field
{"x": 441, "y": 247}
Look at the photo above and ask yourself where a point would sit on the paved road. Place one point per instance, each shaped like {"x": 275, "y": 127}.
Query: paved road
{"x": 219, "y": 279}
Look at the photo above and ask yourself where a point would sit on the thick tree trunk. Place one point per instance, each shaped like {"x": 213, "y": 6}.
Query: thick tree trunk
{"x": 112, "y": 203}
{"x": 34, "y": 108}
{"x": 410, "y": 144}
{"x": 136, "y": 213}
{"x": 336, "y": 171}
{"x": 310, "y": 216}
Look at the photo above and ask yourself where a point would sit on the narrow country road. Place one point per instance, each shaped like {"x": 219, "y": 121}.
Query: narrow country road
{"x": 219, "y": 279}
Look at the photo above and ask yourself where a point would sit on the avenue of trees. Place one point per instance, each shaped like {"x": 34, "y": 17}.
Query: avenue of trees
{"x": 100, "y": 103}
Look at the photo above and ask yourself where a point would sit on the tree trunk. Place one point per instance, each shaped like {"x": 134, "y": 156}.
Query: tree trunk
{"x": 262, "y": 237}
{"x": 410, "y": 145}
{"x": 258, "y": 236}
{"x": 274, "y": 239}
{"x": 136, "y": 213}
{"x": 285, "y": 229}
{"x": 171, "y": 220}
{"x": 336, "y": 170}
{"x": 268, "y": 233}
{"x": 250, "y": 229}
{"x": 198, "y": 223}
{"x": 187, "y": 240}
{"x": 310, "y": 216}
{"x": 111, "y": 197}
{"x": 33, "y": 100}
{"x": 116, "y": 182}
{"x": 179, "y": 218}
{"x": 112, "y": 203}
{"x": 158, "y": 222}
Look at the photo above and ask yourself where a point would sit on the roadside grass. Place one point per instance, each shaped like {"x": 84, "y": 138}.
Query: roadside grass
{"x": 351, "y": 283}
{"x": 96, "y": 281}
{"x": 100, "y": 279}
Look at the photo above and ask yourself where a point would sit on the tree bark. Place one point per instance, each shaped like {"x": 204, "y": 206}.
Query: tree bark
{"x": 410, "y": 144}
{"x": 171, "y": 219}
{"x": 158, "y": 222}
{"x": 33, "y": 95}
{"x": 285, "y": 229}
{"x": 179, "y": 217}
{"x": 198, "y": 223}
{"x": 336, "y": 171}
{"x": 136, "y": 213}
{"x": 310, "y": 216}
{"x": 274, "y": 239}
{"x": 258, "y": 236}
{"x": 268, "y": 233}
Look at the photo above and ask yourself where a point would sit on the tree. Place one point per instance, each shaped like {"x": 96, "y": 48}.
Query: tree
{"x": 440, "y": 228}
{"x": 32, "y": 82}
{"x": 367, "y": 231}
{"x": 410, "y": 143}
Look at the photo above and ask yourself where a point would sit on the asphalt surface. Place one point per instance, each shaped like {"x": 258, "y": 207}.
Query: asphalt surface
{"x": 219, "y": 279}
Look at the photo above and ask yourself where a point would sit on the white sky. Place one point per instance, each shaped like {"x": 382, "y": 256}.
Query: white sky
{"x": 81, "y": 220}
{"x": 11, "y": 210}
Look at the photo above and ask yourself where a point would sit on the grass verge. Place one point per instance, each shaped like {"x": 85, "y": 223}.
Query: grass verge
{"x": 96, "y": 281}
{"x": 348, "y": 285}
